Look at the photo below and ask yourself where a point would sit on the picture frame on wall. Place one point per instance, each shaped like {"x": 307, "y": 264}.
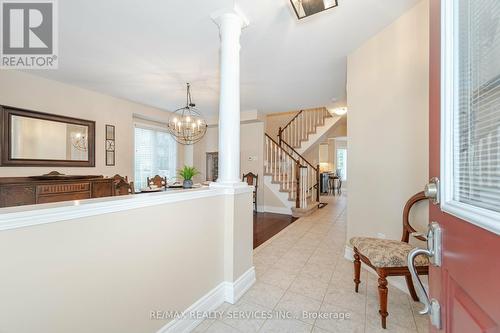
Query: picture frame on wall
{"x": 110, "y": 132}
{"x": 110, "y": 145}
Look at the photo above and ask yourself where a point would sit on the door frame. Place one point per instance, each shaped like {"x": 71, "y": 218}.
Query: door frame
{"x": 478, "y": 216}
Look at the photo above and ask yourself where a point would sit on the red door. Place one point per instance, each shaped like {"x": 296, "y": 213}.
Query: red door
{"x": 465, "y": 156}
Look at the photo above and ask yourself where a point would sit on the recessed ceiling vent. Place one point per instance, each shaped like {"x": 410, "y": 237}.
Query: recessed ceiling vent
{"x": 305, "y": 8}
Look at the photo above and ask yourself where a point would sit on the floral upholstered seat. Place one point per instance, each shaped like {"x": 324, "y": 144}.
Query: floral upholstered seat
{"x": 385, "y": 252}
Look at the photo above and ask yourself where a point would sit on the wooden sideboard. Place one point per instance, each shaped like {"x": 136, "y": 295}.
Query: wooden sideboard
{"x": 18, "y": 191}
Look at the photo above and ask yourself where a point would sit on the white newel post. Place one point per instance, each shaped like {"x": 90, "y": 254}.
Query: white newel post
{"x": 230, "y": 24}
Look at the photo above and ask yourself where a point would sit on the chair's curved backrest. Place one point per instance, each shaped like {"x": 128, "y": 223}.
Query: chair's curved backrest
{"x": 251, "y": 179}
{"x": 407, "y": 228}
{"x": 157, "y": 180}
{"x": 122, "y": 186}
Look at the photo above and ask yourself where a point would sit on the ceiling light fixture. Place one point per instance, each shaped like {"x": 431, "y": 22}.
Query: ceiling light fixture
{"x": 186, "y": 124}
{"x": 340, "y": 111}
{"x": 305, "y": 8}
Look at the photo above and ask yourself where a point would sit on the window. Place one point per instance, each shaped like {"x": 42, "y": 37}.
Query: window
{"x": 342, "y": 163}
{"x": 471, "y": 112}
{"x": 476, "y": 143}
{"x": 155, "y": 154}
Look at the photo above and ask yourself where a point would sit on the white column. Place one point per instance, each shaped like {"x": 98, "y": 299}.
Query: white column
{"x": 230, "y": 23}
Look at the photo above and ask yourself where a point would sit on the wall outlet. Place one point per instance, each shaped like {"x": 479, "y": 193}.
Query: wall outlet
{"x": 380, "y": 235}
{"x": 252, "y": 158}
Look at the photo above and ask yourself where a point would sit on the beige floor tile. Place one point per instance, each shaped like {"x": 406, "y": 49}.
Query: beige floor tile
{"x": 346, "y": 300}
{"x": 352, "y": 321}
{"x": 311, "y": 288}
{"x": 303, "y": 269}
{"x": 285, "y": 326}
{"x": 263, "y": 294}
{"x": 399, "y": 315}
{"x": 220, "y": 327}
{"x": 316, "y": 329}
{"x": 297, "y": 304}
{"x": 317, "y": 272}
{"x": 278, "y": 278}
{"x": 203, "y": 326}
{"x": 289, "y": 265}
{"x": 245, "y": 317}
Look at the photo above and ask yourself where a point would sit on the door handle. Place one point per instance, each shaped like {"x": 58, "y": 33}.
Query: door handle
{"x": 431, "y": 190}
{"x": 433, "y": 251}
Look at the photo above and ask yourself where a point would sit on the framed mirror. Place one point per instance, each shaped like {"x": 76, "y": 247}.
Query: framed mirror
{"x": 32, "y": 138}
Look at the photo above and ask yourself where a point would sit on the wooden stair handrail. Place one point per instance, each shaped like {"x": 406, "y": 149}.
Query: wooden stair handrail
{"x": 291, "y": 121}
{"x": 296, "y": 152}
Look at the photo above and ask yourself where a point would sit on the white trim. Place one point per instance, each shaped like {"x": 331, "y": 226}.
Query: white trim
{"x": 277, "y": 210}
{"x": 349, "y": 253}
{"x": 18, "y": 217}
{"x": 480, "y": 217}
{"x": 235, "y": 290}
{"x": 319, "y": 133}
{"x": 282, "y": 196}
{"x": 209, "y": 302}
{"x": 226, "y": 291}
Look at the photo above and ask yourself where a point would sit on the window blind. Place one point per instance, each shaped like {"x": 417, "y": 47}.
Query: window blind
{"x": 476, "y": 143}
{"x": 155, "y": 154}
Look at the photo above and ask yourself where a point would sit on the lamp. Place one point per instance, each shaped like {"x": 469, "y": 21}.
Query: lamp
{"x": 186, "y": 124}
{"x": 340, "y": 111}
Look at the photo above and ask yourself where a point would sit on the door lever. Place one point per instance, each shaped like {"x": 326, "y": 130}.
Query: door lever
{"x": 431, "y": 306}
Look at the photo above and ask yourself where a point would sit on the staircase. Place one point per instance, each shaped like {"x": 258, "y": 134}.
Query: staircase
{"x": 296, "y": 179}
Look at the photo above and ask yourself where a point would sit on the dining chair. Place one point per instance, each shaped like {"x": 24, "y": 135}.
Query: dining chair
{"x": 157, "y": 180}
{"x": 122, "y": 186}
{"x": 389, "y": 258}
{"x": 252, "y": 180}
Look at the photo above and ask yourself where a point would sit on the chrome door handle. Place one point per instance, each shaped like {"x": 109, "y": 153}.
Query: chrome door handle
{"x": 431, "y": 306}
{"x": 422, "y": 294}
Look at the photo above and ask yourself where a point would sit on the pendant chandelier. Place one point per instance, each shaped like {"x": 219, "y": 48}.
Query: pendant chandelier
{"x": 186, "y": 124}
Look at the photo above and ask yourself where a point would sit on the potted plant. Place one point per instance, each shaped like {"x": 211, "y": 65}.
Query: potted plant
{"x": 187, "y": 173}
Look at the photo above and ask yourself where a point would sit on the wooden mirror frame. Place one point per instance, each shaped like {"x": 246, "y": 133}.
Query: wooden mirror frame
{"x": 5, "y": 134}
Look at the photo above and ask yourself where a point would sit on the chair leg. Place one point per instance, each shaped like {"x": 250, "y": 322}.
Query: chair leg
{"x": 411, "y": 288}
{"x": 382, "y": 294}
{"x": 357, "y": 271}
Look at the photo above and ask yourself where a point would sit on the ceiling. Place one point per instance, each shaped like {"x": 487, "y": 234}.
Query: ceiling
{"x": 145, "y": 51}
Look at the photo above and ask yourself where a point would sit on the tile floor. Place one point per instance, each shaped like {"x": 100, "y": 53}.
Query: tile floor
{"x": 303, "y": 269}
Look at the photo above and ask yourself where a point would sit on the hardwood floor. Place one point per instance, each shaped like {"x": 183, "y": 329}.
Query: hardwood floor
{"x": 266, "y": 225}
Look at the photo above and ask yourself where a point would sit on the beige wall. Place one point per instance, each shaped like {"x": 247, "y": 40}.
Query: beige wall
{"x": 275, "y": 121}
{"x": 19, "y": 89}
{"x": 251, "y": 152}
{"x": 388, "y": 124}
{"x": 106, "y": 273}
{"x": 312, "y": 154}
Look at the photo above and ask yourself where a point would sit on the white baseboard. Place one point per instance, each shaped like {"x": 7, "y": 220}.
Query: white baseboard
{"x": 235, "y": 290}
{"x": 226, "y": 291}
{"x": 398, "y": 282}
{"x": 349, "y": 253}
{"x": 277, "y": 210}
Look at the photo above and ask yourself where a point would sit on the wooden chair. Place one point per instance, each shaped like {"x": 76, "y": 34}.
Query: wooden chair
{"x": 122, "y": 186}
{"x": 389, "y": 258}
{"x": 158, "y": 181}
{"x": 252, "y": 180}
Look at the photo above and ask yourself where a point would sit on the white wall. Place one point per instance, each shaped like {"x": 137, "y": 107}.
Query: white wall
{"x": 22, "y": 90}
{"x": 387, "y": 85}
